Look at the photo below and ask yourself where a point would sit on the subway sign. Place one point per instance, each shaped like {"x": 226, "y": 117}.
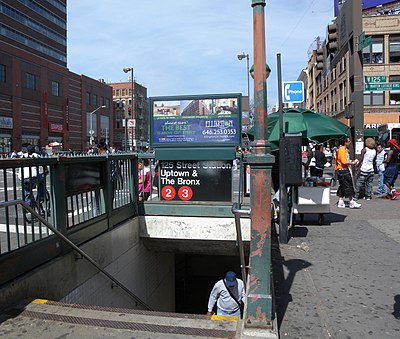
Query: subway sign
{"x": 195, "y": 180}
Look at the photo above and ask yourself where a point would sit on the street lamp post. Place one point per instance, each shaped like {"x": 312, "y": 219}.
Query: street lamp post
{"x": 91, "y": 131}
{"x": 126, "y": 70}
{"x": 258, "y": 312}
{"x": 241, "y": 57}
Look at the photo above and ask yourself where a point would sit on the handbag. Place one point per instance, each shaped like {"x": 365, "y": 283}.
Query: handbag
{"x": 313, "y": 161}
{"x": 240, "y": 303}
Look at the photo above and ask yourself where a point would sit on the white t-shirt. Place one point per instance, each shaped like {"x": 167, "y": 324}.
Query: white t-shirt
{"x": 367, "y": 165}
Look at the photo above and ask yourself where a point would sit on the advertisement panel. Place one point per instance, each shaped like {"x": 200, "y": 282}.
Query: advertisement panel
{"x": 196, "y": 120}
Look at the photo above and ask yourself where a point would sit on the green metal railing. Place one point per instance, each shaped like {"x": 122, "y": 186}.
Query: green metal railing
{"x": 83, "y": 196}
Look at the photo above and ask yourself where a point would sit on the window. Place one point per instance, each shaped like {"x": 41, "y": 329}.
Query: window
{"x": 341, "y": 106}
{"x": 394, "y": 48}
{"x": 2, "y": 73}
{"x": 55, "y": 88}
{"x": 344, "y": 93}
{"x": 30, "y": 81}
{"x": 374, "y": 98}
{"x": 94, "y": 99}
{"x": 32, "y": 43}
{"x": 87, "y": 98}
{"x": 373, "y": 54}
{"x": 394, "y": 96}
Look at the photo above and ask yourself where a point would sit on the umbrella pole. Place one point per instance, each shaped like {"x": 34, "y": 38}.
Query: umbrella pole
{"x": 283, "y": 199}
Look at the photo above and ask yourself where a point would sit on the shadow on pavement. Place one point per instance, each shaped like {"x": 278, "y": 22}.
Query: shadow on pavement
{"x": 282, "y": 283}
{"x": 396, "y": 306}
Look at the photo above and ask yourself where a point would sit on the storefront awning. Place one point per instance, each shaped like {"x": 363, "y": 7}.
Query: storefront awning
{"x": 370, "y": 132}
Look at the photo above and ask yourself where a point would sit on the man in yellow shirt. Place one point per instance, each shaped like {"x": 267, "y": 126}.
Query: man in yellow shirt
{"x": 346, "y": 188}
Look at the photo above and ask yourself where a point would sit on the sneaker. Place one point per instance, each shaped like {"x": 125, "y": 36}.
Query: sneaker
{"x": 389, "y": 196}
{"x": 395, "y": 194}
{"x": 341, "y": 204}
{"x": 354, "y": 204}
{"x": 366, "y": 198}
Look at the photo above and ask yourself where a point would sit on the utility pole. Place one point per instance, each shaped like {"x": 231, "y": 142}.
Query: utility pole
{"x": 356, "y": 79}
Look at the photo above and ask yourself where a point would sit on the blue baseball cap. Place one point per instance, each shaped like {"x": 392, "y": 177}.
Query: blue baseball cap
{"x": 230, "y": 278}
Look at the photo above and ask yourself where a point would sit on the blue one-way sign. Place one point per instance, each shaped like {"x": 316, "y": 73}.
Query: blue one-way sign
{"x": 293, "y": 91}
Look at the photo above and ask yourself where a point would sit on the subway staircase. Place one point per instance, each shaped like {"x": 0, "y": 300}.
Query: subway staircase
{"x": 44, "y": 319}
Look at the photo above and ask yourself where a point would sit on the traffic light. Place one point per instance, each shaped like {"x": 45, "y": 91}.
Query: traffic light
{"x": 332, "y": 44}
{"x": 320, "y": 59}
{"x": 130, "y": 111}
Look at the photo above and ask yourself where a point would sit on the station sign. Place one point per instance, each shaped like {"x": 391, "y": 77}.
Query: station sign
{"x": 195, "y": 180}
{"x": 213, "y": 120}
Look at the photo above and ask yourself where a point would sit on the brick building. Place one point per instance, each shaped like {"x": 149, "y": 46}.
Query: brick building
{"x": 136, "y": 132}
{"x": 328, "y": 88}
{"x": 41, "y": 101}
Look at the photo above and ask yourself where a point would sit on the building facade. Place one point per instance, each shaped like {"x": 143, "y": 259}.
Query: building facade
{"x": 41, "y": 101}
{"x": 131, "y": 123}
{"x": 328, "y": 88}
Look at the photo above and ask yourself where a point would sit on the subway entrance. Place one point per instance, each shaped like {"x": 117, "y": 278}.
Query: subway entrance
{"x": 195, "y": 276}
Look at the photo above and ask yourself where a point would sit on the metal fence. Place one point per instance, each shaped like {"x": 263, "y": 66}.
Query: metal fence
{"x": 69, "y": 192}
{"x": 82, "y": 196}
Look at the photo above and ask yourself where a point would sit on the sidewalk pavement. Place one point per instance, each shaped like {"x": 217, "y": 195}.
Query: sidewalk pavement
{"x": 341, "y": 279}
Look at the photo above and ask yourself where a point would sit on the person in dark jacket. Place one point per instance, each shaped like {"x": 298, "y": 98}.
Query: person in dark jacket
{"x": 316, "y": 162}
{"x": 391, "y": 170}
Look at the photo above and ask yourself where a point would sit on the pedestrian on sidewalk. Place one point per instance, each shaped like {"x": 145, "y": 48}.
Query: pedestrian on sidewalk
{"x": 316, "y": 162}
{"x": 229, "y": 295}
{"x": 365, "y": 175}
{"x": 346, "y": 188}
{"x": 380, "y": 156}
{"x": 391, "y": 169}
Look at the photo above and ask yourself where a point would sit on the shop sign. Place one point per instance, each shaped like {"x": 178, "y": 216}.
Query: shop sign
{"x": 196, "y": 180}
{"x": 56, "y": 128}
{"x": 6, "y": 122}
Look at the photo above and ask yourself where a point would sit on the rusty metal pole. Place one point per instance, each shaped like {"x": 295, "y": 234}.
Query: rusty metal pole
{"x": 258, "y": 313}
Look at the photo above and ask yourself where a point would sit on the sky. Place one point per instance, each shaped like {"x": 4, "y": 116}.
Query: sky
{"x": 187, "y": 47}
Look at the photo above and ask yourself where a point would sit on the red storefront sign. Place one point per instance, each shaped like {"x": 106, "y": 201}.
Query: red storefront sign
{"x": 56, "y": 128}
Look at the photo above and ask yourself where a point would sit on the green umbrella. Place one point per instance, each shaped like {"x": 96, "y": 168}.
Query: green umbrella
{"x": 312, "y": 125}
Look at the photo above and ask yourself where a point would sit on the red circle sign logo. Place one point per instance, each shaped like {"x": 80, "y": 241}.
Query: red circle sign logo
{"x": 185, "y": 193}
{"x": 168, "y": 193}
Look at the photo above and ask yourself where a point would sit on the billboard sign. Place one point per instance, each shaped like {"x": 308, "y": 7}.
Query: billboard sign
{"x": 210, "y": 120}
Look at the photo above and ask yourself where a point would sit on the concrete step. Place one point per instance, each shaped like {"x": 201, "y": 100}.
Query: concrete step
{"x": 49, "y": 319}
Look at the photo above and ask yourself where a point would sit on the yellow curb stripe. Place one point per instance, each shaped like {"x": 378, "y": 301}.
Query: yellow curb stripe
{"x": 40, "y": 301}
{"x": 224, "y": 317}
